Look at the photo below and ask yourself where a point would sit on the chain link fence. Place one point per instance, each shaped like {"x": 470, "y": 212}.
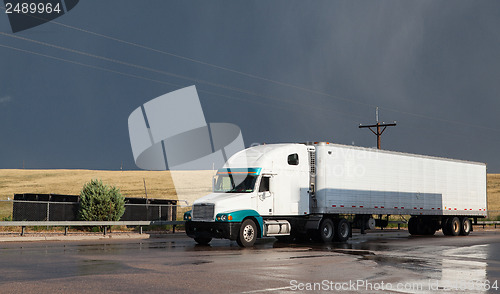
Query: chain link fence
{"x": 25, "y": 210}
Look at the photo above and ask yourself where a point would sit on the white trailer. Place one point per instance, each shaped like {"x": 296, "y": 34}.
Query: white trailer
{"x": 322, "y": 190}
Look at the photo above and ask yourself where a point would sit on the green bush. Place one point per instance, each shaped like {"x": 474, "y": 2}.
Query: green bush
{"x": 99, "y": 202}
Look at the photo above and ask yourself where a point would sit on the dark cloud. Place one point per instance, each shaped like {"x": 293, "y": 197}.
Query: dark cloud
{"x": 431, "y": 66}
{"x": 5, "y": 99}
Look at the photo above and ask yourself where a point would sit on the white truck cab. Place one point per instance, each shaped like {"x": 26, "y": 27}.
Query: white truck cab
{"x": 259, "y": 183}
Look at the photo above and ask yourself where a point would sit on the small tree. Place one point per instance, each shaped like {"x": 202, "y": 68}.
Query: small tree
{"x": 99, "y": 202}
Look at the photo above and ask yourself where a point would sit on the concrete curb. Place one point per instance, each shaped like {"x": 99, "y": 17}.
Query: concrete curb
{"x": 73, "y": 238}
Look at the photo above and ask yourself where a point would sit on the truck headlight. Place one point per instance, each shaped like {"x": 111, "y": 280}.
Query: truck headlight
{"x": 224, "y": 217}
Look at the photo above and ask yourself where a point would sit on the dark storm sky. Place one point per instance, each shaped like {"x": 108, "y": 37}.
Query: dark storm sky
{"x": 322, "y": 68}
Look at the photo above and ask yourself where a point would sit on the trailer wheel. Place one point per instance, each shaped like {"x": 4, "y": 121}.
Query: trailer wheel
{"x": 465, "y": 227}
{"x": 248, "y": 233}
{"x": 413, "y": 226}
{"x": 203, "y": 241}
{"x": 326, "y": 230}
{"x": 429, "y": 231}
{"x": 445, "y": 226}
{"x": 429, "y": 227}
{"x": 454, "y": 226}
{"x": 343, "y": 230}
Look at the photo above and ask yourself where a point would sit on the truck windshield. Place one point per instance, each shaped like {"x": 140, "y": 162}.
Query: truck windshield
{"x": 235, "y": 183}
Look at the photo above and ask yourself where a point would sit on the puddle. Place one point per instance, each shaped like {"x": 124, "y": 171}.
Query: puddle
{"x": 95, "y": 267}
{"x": 193, "y": 262}
{"x": 312, "y": 256}
{"x": 354, "y": 252}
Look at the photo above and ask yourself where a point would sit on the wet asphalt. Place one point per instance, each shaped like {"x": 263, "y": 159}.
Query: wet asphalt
{"x": 387, "y": 261}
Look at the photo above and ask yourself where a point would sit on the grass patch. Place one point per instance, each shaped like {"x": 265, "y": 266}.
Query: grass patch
{"x": 5, "y": 210}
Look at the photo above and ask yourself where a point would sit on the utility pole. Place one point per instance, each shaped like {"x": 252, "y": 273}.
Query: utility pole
{"x": 378, "y": 125}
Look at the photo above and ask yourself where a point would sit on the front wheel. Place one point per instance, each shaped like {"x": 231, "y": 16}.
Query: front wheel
{"x": 248, "y": 233}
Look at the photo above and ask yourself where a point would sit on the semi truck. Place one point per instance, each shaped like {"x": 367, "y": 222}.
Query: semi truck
{"x": 321, "y": 191}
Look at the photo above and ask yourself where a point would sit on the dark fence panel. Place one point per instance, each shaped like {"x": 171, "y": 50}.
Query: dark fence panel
{"x": 149, "y": 209}
{"x": 29, "y": 211}
{"x": 65, "y": 208}
{"x": 63, "y": 212}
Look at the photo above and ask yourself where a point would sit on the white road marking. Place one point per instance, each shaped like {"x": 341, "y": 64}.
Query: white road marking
{"x": 267, "y": 290}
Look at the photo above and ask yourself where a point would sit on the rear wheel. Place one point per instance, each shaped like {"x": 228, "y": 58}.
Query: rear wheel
{"x": 465, "y": 226}
{"x": 343, "y": 230}
{"x": 326, "y": 230}
{"x": 454, "y": 226}
{"x": 203, "y": 241}
{"x": 248, "y": 233}
{"x": 446, "y": 227}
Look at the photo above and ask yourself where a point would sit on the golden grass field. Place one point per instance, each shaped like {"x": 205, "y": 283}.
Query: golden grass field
{"x": 17, "y": 181}
{"x": 493, "y": 189}
{"x": 159, "y": 184}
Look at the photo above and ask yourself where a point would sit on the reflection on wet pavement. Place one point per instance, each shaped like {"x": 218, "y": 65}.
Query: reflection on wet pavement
{"x": 437, "y": 261}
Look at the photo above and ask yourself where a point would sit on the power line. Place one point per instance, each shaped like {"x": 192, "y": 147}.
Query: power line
{"x": 244, "y": 91}
{"x": 88, "y": 65}
{"x": 263, "y": 78}
{"x": 248, "y": 75}
{"x": 202, "y": 62}
{"x": 172, "y": 84}
{"x": 440, "y": 119}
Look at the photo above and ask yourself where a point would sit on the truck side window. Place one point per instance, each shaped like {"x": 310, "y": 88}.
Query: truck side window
{"x": 264, "y": 184}
{"x": 293, "y": 159}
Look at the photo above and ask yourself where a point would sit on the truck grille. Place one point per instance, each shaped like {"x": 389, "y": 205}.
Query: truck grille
{"x": 203, "y": 212}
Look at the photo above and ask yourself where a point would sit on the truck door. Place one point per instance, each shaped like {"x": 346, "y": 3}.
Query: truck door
{"x": 265, "y": 197}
